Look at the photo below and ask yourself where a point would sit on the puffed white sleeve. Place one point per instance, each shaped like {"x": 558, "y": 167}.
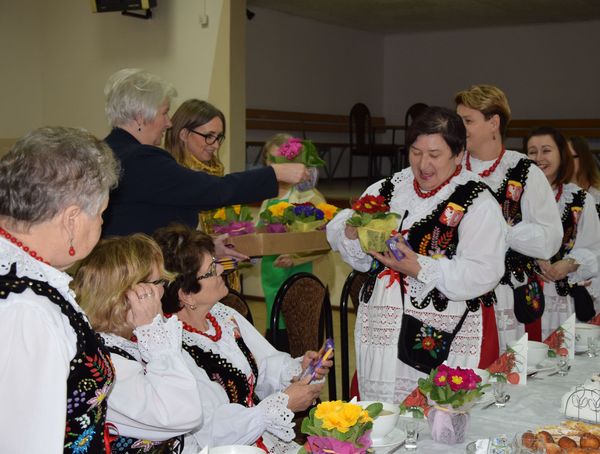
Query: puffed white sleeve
{"x": 37, "y": 345}
{"x": 478, "y": 264}
{"x": 586, "y": 250}
{"x": 350, "y": 250}
{"x": 540, "y": 232}
{"x": 160, "y": 399}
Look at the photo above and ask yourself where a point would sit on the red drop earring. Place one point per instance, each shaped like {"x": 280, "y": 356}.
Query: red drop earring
{"x": 71, "y": 251}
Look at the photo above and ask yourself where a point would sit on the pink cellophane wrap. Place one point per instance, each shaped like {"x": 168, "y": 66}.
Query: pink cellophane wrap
{"x": 276, "y": 228}
{"x": 327, "y": 445}
{"x": 447, "y": 425}
{"x": 236, "y": 228}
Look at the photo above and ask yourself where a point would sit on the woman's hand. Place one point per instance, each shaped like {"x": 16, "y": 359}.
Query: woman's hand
{"x": 292, "y": 173}
{"x": 311, "y": 357}
{"x": 558, "y": 270}
{"x": 409, "y": 265}
{"x": 301, "y": 395}
{"x": 144, "y": 304}
{"x": 222, "y": 250}
{"x": 351, "y": 232}
{"x": 284, "y": 261}
{"x": 545, "y": 270}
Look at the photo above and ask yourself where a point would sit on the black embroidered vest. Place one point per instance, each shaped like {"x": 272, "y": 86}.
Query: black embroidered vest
{"x": 436, "y": 235}
{"x": 127, "y": 445}
{"x": 509, "y": 196}
{"x": 231, "y": 379}
{"x": 570, "y": 220}
{"x": 91, "y": 371}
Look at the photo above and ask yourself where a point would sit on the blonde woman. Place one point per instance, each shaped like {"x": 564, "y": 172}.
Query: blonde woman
{"x": 155, "y": 399}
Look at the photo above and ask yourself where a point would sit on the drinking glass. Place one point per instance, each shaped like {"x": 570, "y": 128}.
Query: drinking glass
{"x": 499, "y": 391}
{"x": 563, "y": 364}
{"x": 411, "y": 426}
{"x": 592, "y": 343}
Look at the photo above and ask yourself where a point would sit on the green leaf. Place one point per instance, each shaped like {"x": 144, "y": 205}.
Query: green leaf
{"x": 374, "y": 409}
{"x": 418, "y": 346}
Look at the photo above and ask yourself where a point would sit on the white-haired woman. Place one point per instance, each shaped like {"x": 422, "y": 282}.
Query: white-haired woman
{"x": 56, "y": 372}
{"x": 155, "y": 190}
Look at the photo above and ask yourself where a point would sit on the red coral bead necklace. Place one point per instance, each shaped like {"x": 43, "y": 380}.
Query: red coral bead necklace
{"x": 14, "y": 240}
{"x": 426, "y": 195}
{"x": 491, "y": 169}
{"x": 558, "y": 193}
{"x": 213, "y": 321}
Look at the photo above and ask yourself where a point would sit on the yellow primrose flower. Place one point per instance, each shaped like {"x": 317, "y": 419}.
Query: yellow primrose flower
{"x": 328, "y": 210}
{"x": 237, "y": 209}
{"x": 278, "y": 208}
{"x": 341, "y": 416}
{"x": 220, "y": 214}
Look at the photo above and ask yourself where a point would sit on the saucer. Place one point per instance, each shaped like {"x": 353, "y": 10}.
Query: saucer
{"x": 581, "y": 348}
{"x": 547, "y": 366}
{"x": 394, "y": 438}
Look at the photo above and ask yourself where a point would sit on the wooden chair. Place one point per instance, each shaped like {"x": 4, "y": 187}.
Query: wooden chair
{"x": 350, "y": 291}
{"x": 409, "y": 117}
{"x": 236, "y": 301}
{"x": 304, "y": 303}
{"x": 362, "y": 141}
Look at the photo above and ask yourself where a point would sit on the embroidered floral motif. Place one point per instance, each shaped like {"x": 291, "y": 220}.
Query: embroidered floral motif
{"x": 82, "y": 444}
{"x": 431, "y": 340}
{"x": 99, "y": 395}
{"x": 144, "y": 445}
{"x": 533, "y": 295}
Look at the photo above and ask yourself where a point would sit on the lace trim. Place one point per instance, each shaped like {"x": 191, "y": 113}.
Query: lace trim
{"x": 159, "y": 336}
{"x": 292, "y": 368}
{"x": 34, "y": 269}
{"x": 495, "y": 180}
{"x": 278, "y": 418}
{"x": 429, "y": 276}
{"x": 112, "y": 340}
{"x": 352, "y": 247}
{"x": 569, "y": 191}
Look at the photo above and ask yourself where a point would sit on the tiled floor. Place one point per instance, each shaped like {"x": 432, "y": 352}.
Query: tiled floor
{"x": 259, "y": 316}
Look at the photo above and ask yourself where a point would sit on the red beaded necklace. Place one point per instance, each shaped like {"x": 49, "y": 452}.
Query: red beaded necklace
{"x": 491, "y": 169}
{"x": 20, "y": 244}
{"x": 558, "y": 193}
{"x": 213, "y": 321}
{"x": 426, "y": 195}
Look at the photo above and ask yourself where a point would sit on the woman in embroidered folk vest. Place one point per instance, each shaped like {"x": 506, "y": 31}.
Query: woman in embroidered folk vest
{"x": 155, "y": 399}
{"x": 454, "y": 255}
{"x": 528, "y": 207}
{"x": 254, "y": 383}
{"x": 56, "y": 372}
{"x": 577, "y": 260}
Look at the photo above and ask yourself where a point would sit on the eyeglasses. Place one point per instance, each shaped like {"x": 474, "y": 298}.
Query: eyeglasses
{"x": 212, "y": 271}
{"x": 210, "y": 138}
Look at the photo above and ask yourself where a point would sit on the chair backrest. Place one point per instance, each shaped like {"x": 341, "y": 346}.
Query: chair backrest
{"x": 236, "y": 301}
{"x": 360, "y": 126}
{"x": 350, "y": 292}
{"x": 303, "y": 301}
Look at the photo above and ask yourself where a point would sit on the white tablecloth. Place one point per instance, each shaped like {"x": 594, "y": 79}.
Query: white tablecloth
{"x": 535, "y": 404}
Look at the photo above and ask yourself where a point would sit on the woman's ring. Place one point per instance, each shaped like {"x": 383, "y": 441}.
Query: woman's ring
{"x": 143, "y": 295}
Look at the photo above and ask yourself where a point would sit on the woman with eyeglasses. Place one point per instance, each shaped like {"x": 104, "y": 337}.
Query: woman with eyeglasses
{"x": 155, "y": 190}
{"x": 576, "y": 262}
{"x": 257, "y": 386}
{"x": 155, "y": 399}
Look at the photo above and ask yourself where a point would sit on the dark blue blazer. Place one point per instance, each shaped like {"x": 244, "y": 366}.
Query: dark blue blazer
{"x": 155, "y": 191}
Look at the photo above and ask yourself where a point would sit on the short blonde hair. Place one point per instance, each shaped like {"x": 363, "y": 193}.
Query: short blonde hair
{"x": 487, "y": 99}
{"x": 112, "y": 268}
{"x": 276, "y": 141}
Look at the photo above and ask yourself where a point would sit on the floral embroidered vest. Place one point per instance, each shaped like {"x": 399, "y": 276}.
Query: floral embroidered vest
{"x": 509, "y": 196}
{"x": 126, "y": 445}
{"x": 570, "y": 220}
{"x": 238, "y": 387}
{"x": 91, "y": 371}
{"x": 436, "y": 236}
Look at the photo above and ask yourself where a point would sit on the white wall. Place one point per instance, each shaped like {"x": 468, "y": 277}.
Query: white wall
{"x": 547, "y": 71}
{"x": 57, "y": 57}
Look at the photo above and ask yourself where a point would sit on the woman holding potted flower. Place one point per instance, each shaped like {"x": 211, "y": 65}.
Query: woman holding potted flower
{"x": 425, "y": 302}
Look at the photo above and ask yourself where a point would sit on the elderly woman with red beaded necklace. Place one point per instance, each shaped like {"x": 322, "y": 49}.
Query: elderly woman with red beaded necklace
{"x": 54, "y": 185}
{"x": 577, "y": 260}
{"x": 257, "y": 386}
{"x": 528, "y": 207}
{"x": 452, "y": 259}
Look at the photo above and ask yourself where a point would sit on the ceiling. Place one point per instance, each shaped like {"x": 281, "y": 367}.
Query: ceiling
{"x": 409, "y": 16}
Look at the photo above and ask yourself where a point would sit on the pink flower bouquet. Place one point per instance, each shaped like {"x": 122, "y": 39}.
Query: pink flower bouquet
{"x": 297, "y": 150}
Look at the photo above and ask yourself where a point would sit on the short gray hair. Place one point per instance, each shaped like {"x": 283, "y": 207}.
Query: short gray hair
{"x": 132, "y": 92}
{"x": 49, "y": 169}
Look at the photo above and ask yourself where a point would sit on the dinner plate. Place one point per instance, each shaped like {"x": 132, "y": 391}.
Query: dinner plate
{"x": 394, "y": 438}
{"x": 581, "y": 348}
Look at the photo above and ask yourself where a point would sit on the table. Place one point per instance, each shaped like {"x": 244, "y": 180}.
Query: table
{"x": 530, "y": 406}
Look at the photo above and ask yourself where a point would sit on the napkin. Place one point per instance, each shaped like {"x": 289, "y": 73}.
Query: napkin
{"x": 512, "y": 364}
{"x": 563, "y": 338}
